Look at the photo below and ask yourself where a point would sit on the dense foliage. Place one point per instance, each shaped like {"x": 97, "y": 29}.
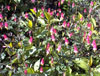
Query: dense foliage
{"x": 49, "y": 38}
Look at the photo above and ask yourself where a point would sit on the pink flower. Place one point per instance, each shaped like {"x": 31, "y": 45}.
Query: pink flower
{"x": 90, "y": 33}
{"x": 59, "y": 48}
{"x": 62, "y": 16}
{"x": 59, "y": 4}
{"x": 1, "y": 16}
{"x": 88, "y": 40}
{"x": 59, "y": 10}
{"x": 42, "y": 8}
{"x": 1, "y": 25}
{"x": 25, "y": 72}
{"x": 91, "y": 3}
{"x": 94, "y": 45}
{"x": 48, "y": 49}
{"x": 64, "y": 24}
{"x": 52, "y": 59}
{"x": 42, "y": 15}
{"x": 89, "y": 25}
{"x": 8, "y": 7}
{"x": 70, "y": 34}
{"x": 15, "y": 19}
{"x": 57, "y": 14}
{"x": 90, "y": 10}
{"x": 6, "y": 25}
{"x": 84, "y": 36}
{"x": 42, "y": 61}
{"x": 68, "y": 3}
{"x": 73, "y": 5}
{"x": 85, "y": 10}
{"x": 5, "y": 37}
{"x": 26, "y": 15}
{"x": 73, "y": 17}
{"x": 53, "y": 37}
{"x": 30, "y": 40}
{"x": 41, "y": 69}
{"x": 26, "y": 65}
{"x": 33, "y": 1}
{"x": 62, "y": 1}
{"x": 75, "y": 49}
{"x": 68, "y": 24}
{"x": 34, "y": 9}
{"x": 51, "y": 13}
{"x": 66, "y": 41}
{"x": 49, "y": 10}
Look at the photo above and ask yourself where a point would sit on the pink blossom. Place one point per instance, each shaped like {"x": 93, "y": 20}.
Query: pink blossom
{"x": 73, "y": 17}
{"x": 1, "y": 25}
{"x": 73, "y": 5}
{"x": 53, "y": 37}
{"x": 25, "y": 72}
{"x": 78, "y": 28}
{"x": 49, "y": 10}
{"x": 34, "y": 9}
{"x": 93, "y": 43}
{"x": 75, "y": 49}
{"x": 30, "y": 40}
{"x": 85, "y": 10}
{"x": 57, "y": 14}
{"x": 42, "y": 61}
{"x": 91, "y": 3}
{"x": 48, "y": 49}
{"x": 51, "y": 13}
{"x": 68, "y": 24}
{"x": 53, "y": 31}
{"x": 42, "y": 15}
{"x": 15, "y": 19}
{"x": 66, "y": 41}
{"x": 59, "y": 10}
{"x": 59, "y": 4}
{"x": 95, "y": 47}
{"x": 64, "y": 24}
{"x": 41, "y": 69}
{"x": 90, "y": 10}
{"x": 88, "y": 40}
{"x": 84, "y": 36}
{"x": 70, "y": 34}
{"x": 68, "y": 3}
{"x": 62, "y": 16}
{"x": 1, "y": 16}
{"x": 8, "y": 7}
{"x": 52, "y": 59}
{"x": 89, "y": 25}
{"x": 90, "y": 33}
{"x": 26, "y": 15}
{"x": 33, "y": 1}
{"x": 42, "y": 8}
{"x": 59, "y": 48}
{"x": 5, "y": 37}
{"x": 26, "y": 65}
{"x": 6, "y": 25}
{"x": 62, "y": 1}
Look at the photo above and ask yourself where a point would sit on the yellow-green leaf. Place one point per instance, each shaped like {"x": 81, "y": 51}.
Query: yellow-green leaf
{"x": 30, "y": 24}
{"x": 30, "y": 70}
{"x": 93, "y": 21}
{"x": 33, "y": 11}
{"x": 90, "y": 61}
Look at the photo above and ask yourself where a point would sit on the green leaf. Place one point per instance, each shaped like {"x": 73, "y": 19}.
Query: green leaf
{"x": 93, "y": 21}
{"x": 30, "y": 71}
{"x": 10, "y": 73}
{"x": 14, "y": 61}
{"x": 82, "y": 63}
{"x": 90, "y": 61}
{"x": 30, "y": 24}
{"x": 38, "y": 13}
{"x": 47, "y": 15}
{"x": 37, "y": 65}
{"x": 33, "y": 11}
{"x": 54, "y": 21}
{"x": 41, "y": 21}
